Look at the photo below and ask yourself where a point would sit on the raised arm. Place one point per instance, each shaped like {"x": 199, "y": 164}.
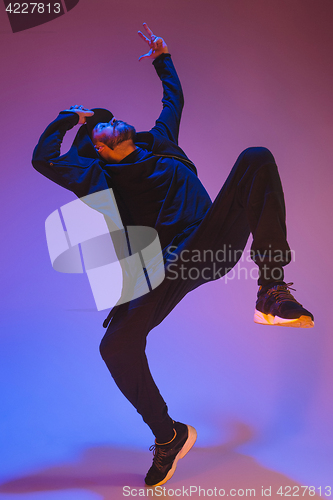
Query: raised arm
{"x": 49, "y": 144}
{"x": 168, "y": 122}
{"x": 48, "y": 147}
{"x": 71, "y": 169}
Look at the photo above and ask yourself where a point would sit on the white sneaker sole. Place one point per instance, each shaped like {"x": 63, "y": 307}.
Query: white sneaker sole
{"x": 268, "y": 319}
{"x": 191, "y": 439}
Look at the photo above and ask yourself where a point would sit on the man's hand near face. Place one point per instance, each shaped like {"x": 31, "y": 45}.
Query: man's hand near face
{"x": 82, "y": 112}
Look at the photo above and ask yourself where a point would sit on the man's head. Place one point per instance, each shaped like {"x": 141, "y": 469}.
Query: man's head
{"x": 112, "y": 137}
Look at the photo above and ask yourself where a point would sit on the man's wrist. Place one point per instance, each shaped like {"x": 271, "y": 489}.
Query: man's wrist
{"x": 161, "y": 57}
{"x": 71, "y": 115}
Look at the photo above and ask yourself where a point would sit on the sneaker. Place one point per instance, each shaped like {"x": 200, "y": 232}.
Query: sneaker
{"x": 167, "y": 455}
{"x": 276, "y": 306}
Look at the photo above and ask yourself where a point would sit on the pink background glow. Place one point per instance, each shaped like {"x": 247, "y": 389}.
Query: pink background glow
{"x": 254, "y": 73}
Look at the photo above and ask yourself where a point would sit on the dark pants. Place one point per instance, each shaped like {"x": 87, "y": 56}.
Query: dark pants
{"x": 251, "y": 201}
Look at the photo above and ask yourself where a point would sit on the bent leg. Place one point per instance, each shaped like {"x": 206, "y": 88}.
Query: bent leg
{"x": 250, "y": 201}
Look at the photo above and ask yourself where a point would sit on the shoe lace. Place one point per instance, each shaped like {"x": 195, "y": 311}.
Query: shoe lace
{"x": 159, "y": 455}
{"x": 281, "y": 293}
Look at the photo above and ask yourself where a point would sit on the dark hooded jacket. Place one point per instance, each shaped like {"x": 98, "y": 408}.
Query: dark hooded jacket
{"x": 156, "y": 185}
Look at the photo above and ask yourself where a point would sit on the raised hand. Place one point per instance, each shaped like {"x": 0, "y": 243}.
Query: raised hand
{"x": 156, "y": 44}
{"x": 82, "y": 112}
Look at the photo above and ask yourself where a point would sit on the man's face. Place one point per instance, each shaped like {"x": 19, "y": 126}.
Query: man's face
{"x": 105, "y": 131}
{"x": 110, "y": 131}
{"x": 106, "y": 136}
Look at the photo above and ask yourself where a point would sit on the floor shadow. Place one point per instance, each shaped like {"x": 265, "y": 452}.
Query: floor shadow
{"x": 105, "y": 471}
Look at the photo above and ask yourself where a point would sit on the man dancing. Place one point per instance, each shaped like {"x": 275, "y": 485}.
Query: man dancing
{"x": 156, "y": 185}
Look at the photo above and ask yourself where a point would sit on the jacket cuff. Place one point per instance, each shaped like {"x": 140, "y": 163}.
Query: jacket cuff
{"x": 159, "y": 60}
{"x": 71, "y": 116}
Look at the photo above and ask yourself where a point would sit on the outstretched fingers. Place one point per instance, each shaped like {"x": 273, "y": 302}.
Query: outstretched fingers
{"x": 147, "y": 40}
{"x": 156, "y": 44}
{"x": 152, "y": 38}
{"x": 144, "y": 38}
{"x": 149, "y": 31}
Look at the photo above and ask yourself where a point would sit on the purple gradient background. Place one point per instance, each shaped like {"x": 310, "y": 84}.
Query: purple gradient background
{"x": 254, "y": 72}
